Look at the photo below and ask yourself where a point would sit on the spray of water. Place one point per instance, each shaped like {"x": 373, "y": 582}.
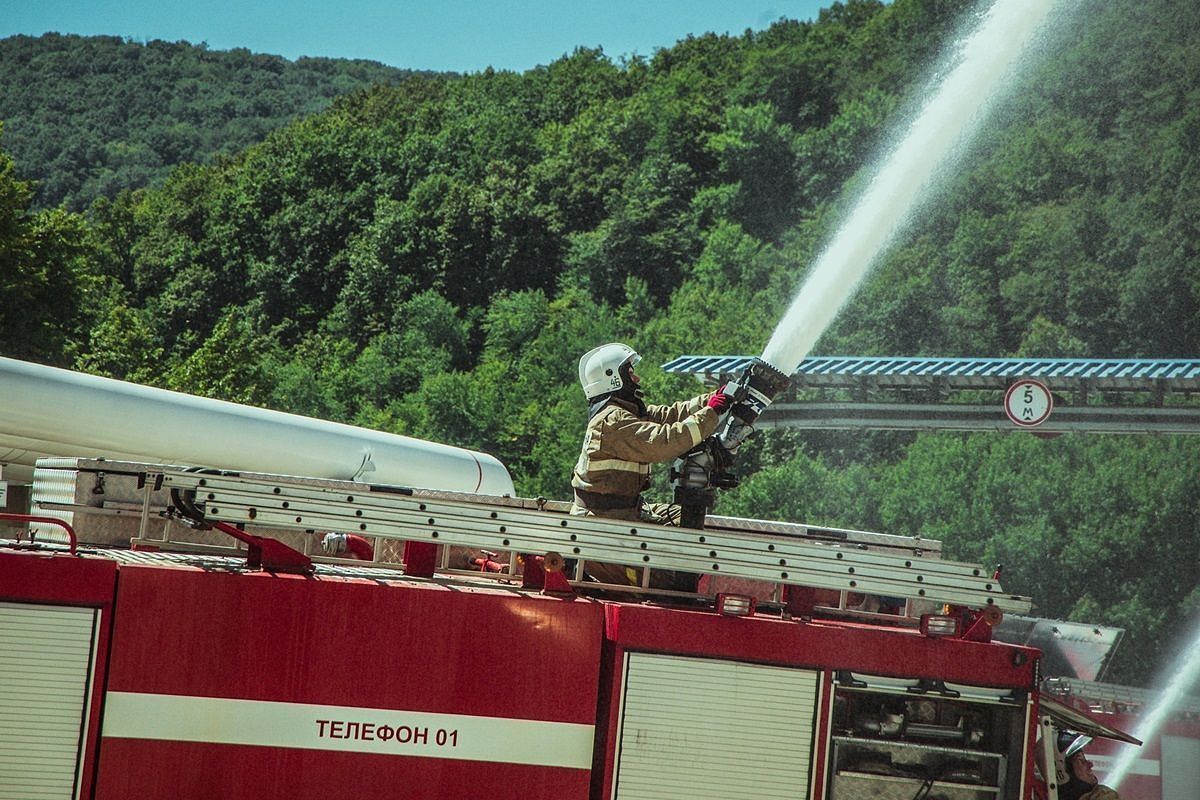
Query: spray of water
{"x": 956, "y": 106}
{"x": 1184, "y": 674}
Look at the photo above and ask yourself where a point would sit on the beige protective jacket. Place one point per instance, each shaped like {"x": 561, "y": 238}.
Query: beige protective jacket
{"x": 1100, "y": 793}
{"x": 619, "y": 446}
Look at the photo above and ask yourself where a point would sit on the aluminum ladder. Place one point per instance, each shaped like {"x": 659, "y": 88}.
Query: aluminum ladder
{"x": 505, "y": 524}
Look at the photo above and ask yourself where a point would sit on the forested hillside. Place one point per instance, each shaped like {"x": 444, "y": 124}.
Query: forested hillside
{"x": 432, "y": 257}
{"x": 87, "y": 116}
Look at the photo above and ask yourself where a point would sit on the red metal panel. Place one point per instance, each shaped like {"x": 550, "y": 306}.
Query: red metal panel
{"x": 612, "y": 675}
{"x": 1144, "y": 779}
{"x": 69, "y": 580}
{"x": 821, "y": 741}
{"x": 411, "y": 647}
{"x": 185, "y": 771}
{"x": 831, "y": 645}
{"x": 1181, "y": 725}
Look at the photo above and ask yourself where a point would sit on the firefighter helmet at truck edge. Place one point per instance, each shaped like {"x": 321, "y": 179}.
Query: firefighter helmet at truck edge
{"x": 605, "y": 369}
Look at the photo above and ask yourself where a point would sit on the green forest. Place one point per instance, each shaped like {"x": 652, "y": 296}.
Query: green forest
{"x": 431, "y": 254}
{"x": 88, "y": 116}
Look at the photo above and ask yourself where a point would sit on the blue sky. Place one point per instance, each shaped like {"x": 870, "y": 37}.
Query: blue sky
{"x": 459, "y": 35}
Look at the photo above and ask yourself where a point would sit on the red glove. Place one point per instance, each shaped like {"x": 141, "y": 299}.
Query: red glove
{"x": 719, "y": 401}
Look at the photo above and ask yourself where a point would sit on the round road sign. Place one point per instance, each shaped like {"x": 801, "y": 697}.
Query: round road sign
{"x": 1028, "y": 402}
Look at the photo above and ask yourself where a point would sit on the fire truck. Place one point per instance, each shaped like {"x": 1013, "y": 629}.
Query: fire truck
{"x": 1167, "y": 765}
{"x": 169, "y": 630}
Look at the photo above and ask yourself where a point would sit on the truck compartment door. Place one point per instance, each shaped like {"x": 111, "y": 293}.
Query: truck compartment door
{"x": 699, "y": 728}
{"x": 46, "y": 656}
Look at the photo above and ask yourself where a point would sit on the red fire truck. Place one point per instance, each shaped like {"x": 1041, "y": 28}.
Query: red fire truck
{"x": 175, "y": 632}
{"x": 145, "y": 657}
{"x": 1167, "y": 765}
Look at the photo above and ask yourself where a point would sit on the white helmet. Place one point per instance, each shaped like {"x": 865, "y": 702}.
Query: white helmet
{"x": 600, "y": 370}
{"x": 1069, "y": 744}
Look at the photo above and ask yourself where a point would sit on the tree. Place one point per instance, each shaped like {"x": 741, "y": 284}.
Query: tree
{"x": 756, "y": 154}
{"x": 228, "y": 365}
{"x": 43, "y": 274}
{"x": 1071, "y": 520}
{"x": 95, "y": 115}
{"x": 649, "y": 236}
{"x": 427, "y": 337}
{"x": 123, "y": 345}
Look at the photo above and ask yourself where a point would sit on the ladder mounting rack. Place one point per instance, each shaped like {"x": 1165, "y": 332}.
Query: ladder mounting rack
{"x": 286, "y": 502}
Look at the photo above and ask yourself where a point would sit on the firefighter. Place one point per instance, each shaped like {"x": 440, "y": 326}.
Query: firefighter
{"x": 1076, "y": 780}
{"x": 624, "y": 436}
